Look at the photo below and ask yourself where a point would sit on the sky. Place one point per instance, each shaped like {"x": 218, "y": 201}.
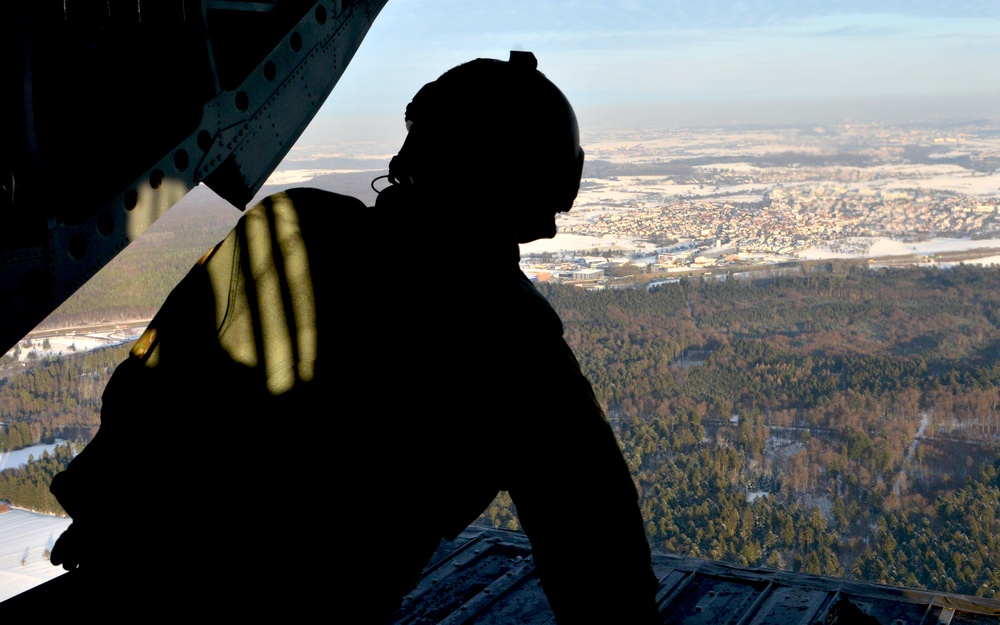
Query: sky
{"x": 649, "y": 64}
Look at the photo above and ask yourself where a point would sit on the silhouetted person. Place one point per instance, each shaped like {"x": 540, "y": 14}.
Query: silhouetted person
{"x": 334, "y": 389}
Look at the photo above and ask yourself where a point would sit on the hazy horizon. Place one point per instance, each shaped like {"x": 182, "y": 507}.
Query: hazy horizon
{"x": 649, "y": 64}
{"x": 371, "y": 136}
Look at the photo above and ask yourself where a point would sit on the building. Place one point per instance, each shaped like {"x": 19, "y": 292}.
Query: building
{"x": 584, "y": 275}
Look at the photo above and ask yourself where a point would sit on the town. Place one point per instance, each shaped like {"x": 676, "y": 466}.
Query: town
{"x": 703, "y": 199}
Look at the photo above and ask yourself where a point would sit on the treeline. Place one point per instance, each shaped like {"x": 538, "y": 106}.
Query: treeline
{"x": 28, "y": 486}
{"x": 57, "y": 397}
{"x": 775, "y": 421}
{"x": 16, "y": 436}
{"x": 134, "y": 284}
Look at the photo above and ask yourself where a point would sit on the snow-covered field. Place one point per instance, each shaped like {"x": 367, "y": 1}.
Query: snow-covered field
{"x": 873, "y": 247}
{"x": 25, "y": 537}
{"x": 73, "y": 343}
{"x": 882, "y": 246}
{"x": 25, "y": 540}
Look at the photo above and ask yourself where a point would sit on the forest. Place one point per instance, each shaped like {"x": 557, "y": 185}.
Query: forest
{"x": 831, "y": 418}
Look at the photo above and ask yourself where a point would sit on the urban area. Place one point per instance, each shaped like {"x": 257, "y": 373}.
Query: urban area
{"x": 698, "y": 200}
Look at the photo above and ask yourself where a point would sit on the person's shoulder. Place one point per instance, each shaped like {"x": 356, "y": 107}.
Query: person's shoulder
{"x": 309, "y": 198}
{"x": 315, "y": 212}
{"x": 532, "y": 309}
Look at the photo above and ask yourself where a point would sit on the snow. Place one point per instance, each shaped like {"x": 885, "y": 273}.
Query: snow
{"x": 67, "y": 344}
{"x": 869, "y": 247}
{"x": 882, "y": 246}
{"x": 26, "y": 535}
{"x": 575, "y": 242}
{"x": 24, "y": 538}
{"x": 11, "y": 459}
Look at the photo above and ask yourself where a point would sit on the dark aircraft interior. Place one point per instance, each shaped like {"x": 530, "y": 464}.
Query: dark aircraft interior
{"x": 115, "y": 110}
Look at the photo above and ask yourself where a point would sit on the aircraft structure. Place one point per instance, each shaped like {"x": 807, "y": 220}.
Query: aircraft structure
{"x": 115, "y": 110}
